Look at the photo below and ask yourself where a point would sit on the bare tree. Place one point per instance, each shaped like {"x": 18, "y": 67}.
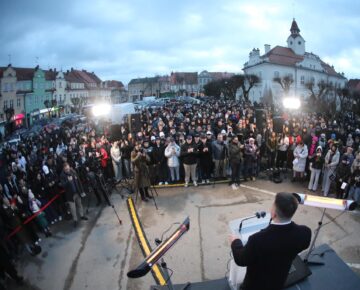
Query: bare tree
{"x": 285, "y": 82}
{"x": 249, "y": 82}
{"x": 344, "y": 96}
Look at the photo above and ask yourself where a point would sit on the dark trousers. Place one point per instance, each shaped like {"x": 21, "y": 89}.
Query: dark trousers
{"x": 235, "y": 172}
{"x": 271, "y": 159}
{"x": 281, "y": 158}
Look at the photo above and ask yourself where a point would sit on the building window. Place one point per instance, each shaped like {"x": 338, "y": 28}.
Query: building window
{"x": 276, "y": 74}
{"x": 299, "y": 42}
{"x": 1, "y": 116}
{"x": 11, "y": 105}
{"x": 312, "y": 80}
{"x": 18, "y": 102}
{"x": 5, "y": 104}
{"x": 290, "y": 42}
{"x": 302, "y": 80}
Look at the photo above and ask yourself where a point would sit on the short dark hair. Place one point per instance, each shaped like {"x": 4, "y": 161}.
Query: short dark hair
{"x": 286, "y": 205}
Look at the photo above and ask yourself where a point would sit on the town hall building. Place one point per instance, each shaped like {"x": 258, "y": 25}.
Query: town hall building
{"x": 292, "y": 62}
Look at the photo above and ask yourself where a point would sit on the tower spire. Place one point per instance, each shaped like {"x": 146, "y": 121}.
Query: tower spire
{"x": 294, "y": 28}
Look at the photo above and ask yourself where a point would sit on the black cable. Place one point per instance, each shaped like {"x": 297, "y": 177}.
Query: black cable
{"x": 168, "y": 229}
{"x": 163, "y": 265}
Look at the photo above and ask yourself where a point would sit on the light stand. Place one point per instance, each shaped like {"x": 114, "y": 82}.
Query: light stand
{"x": 311, "y": 248}
{"x": 325, "y": 203}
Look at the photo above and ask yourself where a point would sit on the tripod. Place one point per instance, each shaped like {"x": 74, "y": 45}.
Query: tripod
{"x": 104, "y": 189}
{"x": 151, "y": 188}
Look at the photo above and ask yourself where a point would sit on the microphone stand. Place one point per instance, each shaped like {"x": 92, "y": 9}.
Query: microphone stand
{"x": 311, "y": 248}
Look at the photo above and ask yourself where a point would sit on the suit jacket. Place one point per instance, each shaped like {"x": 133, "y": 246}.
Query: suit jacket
{"x": 269, "y": 253}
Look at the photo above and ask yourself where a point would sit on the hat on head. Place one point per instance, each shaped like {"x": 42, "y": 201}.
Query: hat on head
{"x": 223, "y": 131}
{"x": 319, "y": 148}
{"x": 188, "y": 137}
{"x": 162, "y": 134}
{"x": 31, "y": 195}
{"x": 208, "y": 133}
{"x": 196, "y": 135}
{"x": 152, "y": 138}
{"x": 45, "y": 169}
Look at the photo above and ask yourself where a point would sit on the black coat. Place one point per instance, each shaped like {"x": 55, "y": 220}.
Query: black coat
{"x": 71, "y": 188}
{"x": 269, "y": 253}
{"x": 189, "y": 158}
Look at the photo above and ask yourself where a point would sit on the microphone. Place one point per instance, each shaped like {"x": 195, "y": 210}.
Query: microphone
{"x": 258, "y": 214}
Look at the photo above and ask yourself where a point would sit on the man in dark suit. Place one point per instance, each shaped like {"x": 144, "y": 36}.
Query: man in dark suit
{"x": 269, "y": 253}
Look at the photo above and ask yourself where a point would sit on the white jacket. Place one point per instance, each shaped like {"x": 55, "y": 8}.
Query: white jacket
{"x": 302, "y": 153}
{"x": 172, "y": 156}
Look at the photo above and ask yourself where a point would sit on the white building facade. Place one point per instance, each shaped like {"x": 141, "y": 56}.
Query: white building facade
{"x": 292, "y": 61}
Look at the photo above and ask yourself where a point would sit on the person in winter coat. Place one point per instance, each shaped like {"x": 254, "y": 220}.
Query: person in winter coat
{"x": 34, "y": 206}
{"x": 316, "y": 165}
{"x": 115, "y": 153}
{"x": 189, "y": 157}
{"x": 251, "y": 156}
{"x": 140, "y": 160}
{"x": 70, "y": 181}
{"x": 219, "y": 152}
{"x": 235, "y": 156}
{"x": 271, "y": 146}
{"x": 356, "y": 163}
{"x": 158, "y": 157}
{"x": 172, "y": 153}
{"x": 300, "y": 155}
{"x": 354, "y": 192}
{"x": 343, "y": 173}
{"x": 332, "y": 159}
{"x": 205, "y": 155}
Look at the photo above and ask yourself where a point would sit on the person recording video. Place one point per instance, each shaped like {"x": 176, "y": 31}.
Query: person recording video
{"x": 269, "y": 253}
{"x": 140, "y": 160}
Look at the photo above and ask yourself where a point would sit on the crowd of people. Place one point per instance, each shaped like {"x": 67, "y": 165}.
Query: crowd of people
{"x": 49, "y": 176}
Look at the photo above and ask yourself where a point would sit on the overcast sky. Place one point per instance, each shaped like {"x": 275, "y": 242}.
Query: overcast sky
{"x": 137, "y": 38}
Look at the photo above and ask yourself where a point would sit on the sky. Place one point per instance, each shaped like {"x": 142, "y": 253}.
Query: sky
{"x": 121, "y": 40}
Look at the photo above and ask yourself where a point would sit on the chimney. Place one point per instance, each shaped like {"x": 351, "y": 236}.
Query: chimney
{"x": 267, "y": 48}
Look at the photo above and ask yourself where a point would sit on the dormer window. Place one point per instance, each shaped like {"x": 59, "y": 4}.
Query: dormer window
{"x": 299, "y": 42}
{"x": 290, "y": 42}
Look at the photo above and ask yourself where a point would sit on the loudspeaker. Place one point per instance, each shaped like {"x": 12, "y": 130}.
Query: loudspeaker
{"x": 278, "y": 124}
{"x": 135, "y": 122}
{"x": 115, "y": 132}
{"x": 260, "y": 116}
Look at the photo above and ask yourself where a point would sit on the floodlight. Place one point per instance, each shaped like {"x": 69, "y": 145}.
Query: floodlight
{"x": 101, "y": 110}
{"x": 291, "y": 103}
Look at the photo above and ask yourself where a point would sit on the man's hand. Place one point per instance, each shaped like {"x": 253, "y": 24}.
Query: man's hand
{"x": 232, "y": 238}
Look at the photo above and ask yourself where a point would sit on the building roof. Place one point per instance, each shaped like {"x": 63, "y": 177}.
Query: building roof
{"x": 220, "y": 75}
{"x": 144, "y": 80}
{"x": 50, "y": 75}
{"x": 24, "y": 74}
{"x": 354, "y": 84}
{"x": 285, "y": 56}
{"x": 114, "y": 84}
{"x": 189, "y": 78}
{"x": 294, "y": 29}
{"x": 81, "y": 76}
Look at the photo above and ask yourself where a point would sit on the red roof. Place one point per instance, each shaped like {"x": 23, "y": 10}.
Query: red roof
{"x": 354, "y": 84}
{"x": 82, "y": 76}
{"x": 283, "y": 55}
{"x": 286, "y": 56}
{"x": 187, "y": 78}
{"x": 114, "y": 84}
{"x": 24, "y": 74}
